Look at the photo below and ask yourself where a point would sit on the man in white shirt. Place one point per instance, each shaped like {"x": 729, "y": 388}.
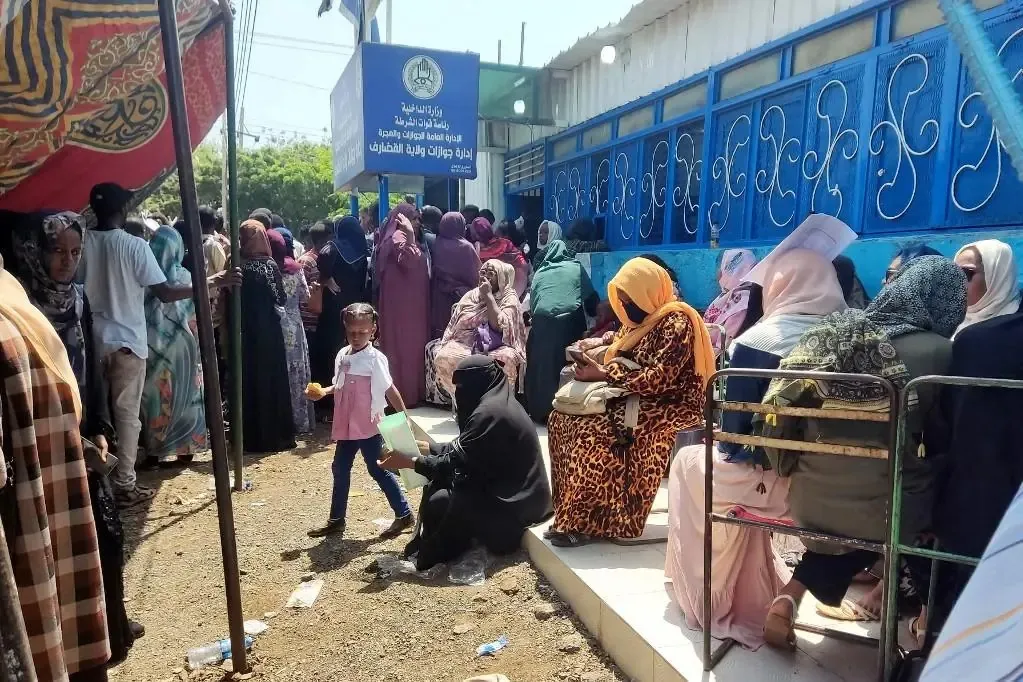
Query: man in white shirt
{"x": 118, "y": 269}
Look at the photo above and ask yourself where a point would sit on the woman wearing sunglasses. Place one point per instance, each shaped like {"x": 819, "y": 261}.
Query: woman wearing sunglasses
{"x": 992, "y": 281}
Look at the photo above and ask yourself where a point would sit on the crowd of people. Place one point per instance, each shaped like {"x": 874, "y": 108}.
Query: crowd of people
{"x": 101, "y": 369}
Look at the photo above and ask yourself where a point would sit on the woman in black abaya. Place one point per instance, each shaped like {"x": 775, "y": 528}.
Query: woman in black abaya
{"x": 489, "y": 484}
{"x": 268, "y": 424}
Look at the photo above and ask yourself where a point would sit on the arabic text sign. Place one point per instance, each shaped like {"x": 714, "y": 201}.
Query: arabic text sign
{"x": 419, "y": 111}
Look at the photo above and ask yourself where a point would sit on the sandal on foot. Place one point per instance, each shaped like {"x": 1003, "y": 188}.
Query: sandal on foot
{"x": 132, "y": 496}
{"x": 849, "y": 610}
{"x": 779, "y": 630}
{"x": 570, "y": 540}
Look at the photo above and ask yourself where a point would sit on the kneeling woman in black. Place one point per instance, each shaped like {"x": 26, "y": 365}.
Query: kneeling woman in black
{"x": 489, "y": 484}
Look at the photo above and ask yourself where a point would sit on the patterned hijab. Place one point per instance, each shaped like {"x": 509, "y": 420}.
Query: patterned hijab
{"x": 926, "y": 294}
{"x": 62, "y": 303}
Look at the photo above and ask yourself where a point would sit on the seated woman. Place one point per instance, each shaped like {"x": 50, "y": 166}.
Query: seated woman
{"x": 489, "y": 484}
{"x": 559, "y": 298}
{"x": 487, "y": 321}
{"x": 493, "y": 247}
{"x": 855, "y": 293}
{"x": 729, "y": 308}
{"x": 49, "y": 253}
{"x": 605, "y": 475}
{"x": 981, "y": 468}
{"x": 992, "y": 287}
{"x": 800, "y": 288}
{"x": 903, "y": 333}
{"x": 904, "y": 255}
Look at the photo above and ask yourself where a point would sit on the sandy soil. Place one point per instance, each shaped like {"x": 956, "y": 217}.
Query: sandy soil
{"x": 362, "y": 627}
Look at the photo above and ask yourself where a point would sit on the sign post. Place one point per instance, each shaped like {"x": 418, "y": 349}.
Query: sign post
{"x": 404, "y": 113}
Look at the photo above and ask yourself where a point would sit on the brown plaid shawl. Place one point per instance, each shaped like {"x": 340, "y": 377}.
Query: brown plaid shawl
{"x": 56, "y": 556}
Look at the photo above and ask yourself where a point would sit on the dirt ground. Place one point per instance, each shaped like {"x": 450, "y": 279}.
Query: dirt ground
{"x": 362, "y": 628}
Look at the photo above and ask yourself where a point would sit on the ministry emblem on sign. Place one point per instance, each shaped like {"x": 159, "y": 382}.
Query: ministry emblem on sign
{"x": 423, "y": 77}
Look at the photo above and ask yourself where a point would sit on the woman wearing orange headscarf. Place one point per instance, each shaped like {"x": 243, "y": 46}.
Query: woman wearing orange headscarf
{"x": 268, "y": 424}
{"x": 605, "y": 476}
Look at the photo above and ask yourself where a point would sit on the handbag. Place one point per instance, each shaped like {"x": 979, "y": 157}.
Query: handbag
{"x": 583, "y": 398}
{"x": 487, "y": 339}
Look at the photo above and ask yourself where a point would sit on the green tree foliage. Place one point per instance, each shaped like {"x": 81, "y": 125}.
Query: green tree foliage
{"x": 293, "y": 179}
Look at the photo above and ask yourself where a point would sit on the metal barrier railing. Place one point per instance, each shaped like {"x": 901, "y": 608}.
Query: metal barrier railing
{"x": 711, "y": 657}
{"x": 896, "y": 549}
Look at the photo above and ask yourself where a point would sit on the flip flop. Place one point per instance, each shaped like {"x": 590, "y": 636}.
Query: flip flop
{"x": 848, "y": 611}
{"x": 779, "y": 631}
{"x": 570, "y": 540}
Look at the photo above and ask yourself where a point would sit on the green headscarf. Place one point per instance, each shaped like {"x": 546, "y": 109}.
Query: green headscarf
{"x": 560, "y": 284}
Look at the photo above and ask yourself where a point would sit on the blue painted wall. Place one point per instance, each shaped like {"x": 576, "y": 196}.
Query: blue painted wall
{"x": 697, "y": 268}
{"x": 894, "y": 140}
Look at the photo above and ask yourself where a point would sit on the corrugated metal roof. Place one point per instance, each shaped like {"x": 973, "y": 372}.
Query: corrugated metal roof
{"x": 642, "y": 14}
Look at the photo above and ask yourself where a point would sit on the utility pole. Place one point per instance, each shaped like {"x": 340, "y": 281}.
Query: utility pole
{"x": 522, "y": 44}
{"x": 241, "y": 126}
{"x": 498, "y": 51}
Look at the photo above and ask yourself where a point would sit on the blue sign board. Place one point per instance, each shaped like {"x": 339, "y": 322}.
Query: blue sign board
{"x": 400, "y": 110}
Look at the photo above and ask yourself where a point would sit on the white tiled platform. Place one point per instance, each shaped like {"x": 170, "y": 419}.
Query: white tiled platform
{"x": 620, "y": 595}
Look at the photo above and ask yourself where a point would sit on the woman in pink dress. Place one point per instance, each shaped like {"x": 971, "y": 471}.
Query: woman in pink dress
{"x": 401, "y": 271}
{"x": 800, "y": 288}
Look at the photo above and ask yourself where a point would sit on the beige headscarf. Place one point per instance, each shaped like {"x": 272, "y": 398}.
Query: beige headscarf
{"x": 1000, "y": 275}
{"x": 37, "y": 332}
{"x": 801, "y": 282}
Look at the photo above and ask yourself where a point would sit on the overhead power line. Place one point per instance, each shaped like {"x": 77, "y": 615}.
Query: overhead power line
{"x": 290, "y": 82}
{"x": 299, "y": 48}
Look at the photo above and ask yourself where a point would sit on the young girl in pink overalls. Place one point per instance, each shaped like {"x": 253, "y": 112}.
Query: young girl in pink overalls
{"x": 362, "y": 389}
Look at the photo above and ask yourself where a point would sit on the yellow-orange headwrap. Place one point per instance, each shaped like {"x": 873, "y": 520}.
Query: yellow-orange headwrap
{"x": 649, "y": 287}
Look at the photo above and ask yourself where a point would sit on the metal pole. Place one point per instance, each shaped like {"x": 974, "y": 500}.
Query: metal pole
{"x": 498, "y": 51}
{"x": 522, "y": 45}
{"x": 232, "y": 216}
{"x": 384, "y": 205}
{"x": 200, "y": 294}
{"x": 353, "y": 202}
{"x": 388, "y": 20}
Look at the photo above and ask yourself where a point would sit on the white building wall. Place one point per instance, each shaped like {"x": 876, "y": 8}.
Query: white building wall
{"x": 685, "y": 42}
{"x": 487, "y": 190}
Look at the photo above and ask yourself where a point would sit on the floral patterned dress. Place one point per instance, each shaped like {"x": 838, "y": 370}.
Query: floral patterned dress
{"x": 604, "y": 477}
{"x": 296, "y": 289}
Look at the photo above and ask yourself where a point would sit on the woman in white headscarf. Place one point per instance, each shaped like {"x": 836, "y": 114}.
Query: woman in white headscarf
{"x": 992, "y": 281}
{"x": 549, "y": 232}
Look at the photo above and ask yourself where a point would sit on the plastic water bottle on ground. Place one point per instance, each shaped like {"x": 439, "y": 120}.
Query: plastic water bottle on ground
{"x": 491, "y": 648}
{"x": 213, "y": 653}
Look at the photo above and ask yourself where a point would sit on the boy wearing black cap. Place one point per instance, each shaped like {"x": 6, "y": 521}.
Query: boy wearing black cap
{"x": 118, "y": 268}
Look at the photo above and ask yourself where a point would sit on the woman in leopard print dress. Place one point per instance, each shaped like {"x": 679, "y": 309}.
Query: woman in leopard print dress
{"x": 605, "y": 476}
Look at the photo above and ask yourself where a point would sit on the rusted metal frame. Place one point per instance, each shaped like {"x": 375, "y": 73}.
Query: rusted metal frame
{"x": 805, "y": 533}
{"x": 801, "y": 445}
{"x": 710, "y": 657}
{"x": 760, "y": 408}
{"x": 896, "y": 548}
